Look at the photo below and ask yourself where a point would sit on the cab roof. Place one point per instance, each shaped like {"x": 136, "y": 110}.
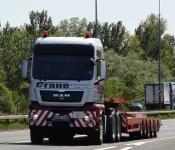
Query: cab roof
{"x": 69, "y": 40}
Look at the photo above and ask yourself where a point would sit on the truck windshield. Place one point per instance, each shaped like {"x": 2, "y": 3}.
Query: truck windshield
{"x": 63, "y": 64}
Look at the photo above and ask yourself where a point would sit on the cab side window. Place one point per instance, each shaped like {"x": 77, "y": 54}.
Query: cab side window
{"x": 98, "y": 69}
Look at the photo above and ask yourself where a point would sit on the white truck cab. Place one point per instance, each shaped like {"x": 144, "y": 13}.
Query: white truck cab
{"x": 67, "y": 94}
{"x": 66, "y": 87}
{"x": 67, "y": 71}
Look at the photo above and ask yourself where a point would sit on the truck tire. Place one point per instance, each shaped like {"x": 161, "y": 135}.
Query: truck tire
{"x": 154, "y": 129}
{"x": 68, "y": 137}
{"x": 151, "y": 132}
{"x": 155, "y": 134}
{"x": 143, "y": 130}
{"x": 118, "y": 130}
{"x": 111, "y": 128}
{"x": 35, "y": 136}
{"x": 97, "y": 137}
{"x": 59, "y": 139}
{"x": 53, "y": 139}
{"x": 147, "y": 135}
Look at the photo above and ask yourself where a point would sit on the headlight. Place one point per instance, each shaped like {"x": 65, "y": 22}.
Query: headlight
{"x": 35, "y": 117}
{"x": 86, "y": 118}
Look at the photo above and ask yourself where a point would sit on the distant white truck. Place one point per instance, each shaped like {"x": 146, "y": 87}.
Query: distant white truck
{"x": 167, "y": 92}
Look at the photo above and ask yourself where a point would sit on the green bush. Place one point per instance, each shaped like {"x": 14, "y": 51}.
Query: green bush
{"x": 6, "y": 100}
{"x": 128, "y": 74}
{"x": 13, "y": 124}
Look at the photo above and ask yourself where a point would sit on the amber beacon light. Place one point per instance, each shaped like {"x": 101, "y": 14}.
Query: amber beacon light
{"x": 45, "y": 34}
{"x": 88, "y": 34}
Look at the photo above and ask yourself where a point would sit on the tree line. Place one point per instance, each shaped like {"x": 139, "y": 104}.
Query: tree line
{"x": 131, "y": 58}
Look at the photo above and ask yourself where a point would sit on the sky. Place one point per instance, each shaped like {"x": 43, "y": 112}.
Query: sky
{"x": 130, "y": 12}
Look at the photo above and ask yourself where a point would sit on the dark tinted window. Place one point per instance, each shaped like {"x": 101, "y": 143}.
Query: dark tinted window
{"x": 63, "y": 62}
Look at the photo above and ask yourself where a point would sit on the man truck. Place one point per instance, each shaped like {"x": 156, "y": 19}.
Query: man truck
{"x": 67, "y": 94}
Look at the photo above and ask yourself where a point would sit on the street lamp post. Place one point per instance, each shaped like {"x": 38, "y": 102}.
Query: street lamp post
{"x": 159, "y": 55}
{"x": 96, "y": 20}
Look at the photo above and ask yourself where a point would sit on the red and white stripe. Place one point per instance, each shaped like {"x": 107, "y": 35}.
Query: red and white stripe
{"x": 42, "y": 118}
{"x": 77, "y": 123}
{"x": 81, "y": 122}
{"x": 44, "y": 115}
{"x": 91, "y": 114}
{"x": 34, "y": 112}
{"x": 124, "y": 121}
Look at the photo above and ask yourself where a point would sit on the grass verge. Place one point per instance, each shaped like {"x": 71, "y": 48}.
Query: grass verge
{"x": 164, "y": 116}
{"x": 13, "y": 124}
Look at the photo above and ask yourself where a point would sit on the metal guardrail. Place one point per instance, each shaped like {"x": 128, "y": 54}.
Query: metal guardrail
{"x": 154, "y": 112}
{"x": 14, "y": 117}
{"x": 25, "y": 117}
{"x": 159, "y": 112}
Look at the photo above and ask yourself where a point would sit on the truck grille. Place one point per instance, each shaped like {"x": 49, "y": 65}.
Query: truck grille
{"x": 56, "y": 96}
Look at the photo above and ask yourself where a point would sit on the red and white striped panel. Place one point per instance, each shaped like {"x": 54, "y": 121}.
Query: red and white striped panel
{"x": 82, "y": 123}
{"x": 94, "y": 116}
{"x": 124, "y": 121}
{"x": 44, "y": 115}
{"x": 91, "y": 114}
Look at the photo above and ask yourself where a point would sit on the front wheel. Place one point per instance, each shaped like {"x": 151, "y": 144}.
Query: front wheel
{"x": 35, "y": 136}
{"x": 98, "y": 136}
{"x": 118, "y": 129}
{"x": 111, "y": 128}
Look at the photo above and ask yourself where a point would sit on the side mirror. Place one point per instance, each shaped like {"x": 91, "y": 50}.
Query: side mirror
{"x": 24, "y": 68}
{"x": 136, "y": 107}
{"x": 103, "y": 70}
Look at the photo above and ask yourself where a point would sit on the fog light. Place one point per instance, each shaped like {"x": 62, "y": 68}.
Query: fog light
{"x": 35, "y": 117}
{"x": 86, "y": 118}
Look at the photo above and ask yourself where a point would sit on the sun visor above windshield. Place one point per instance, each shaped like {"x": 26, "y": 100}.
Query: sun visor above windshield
{"x": 64, "y": 49}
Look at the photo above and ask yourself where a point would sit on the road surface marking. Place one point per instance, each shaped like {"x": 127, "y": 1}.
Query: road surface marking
{"x": 155, "y": 140}
{"x": 79, "y": 136}
{"x": 126, "y": 148}
{"x": 20, "y": 142}
{"x": 168, "y": 126}
{"x": 105, "y": 148}
{"x": 136, "y": 144}
{"x": 162, "y": 139}
{"x": 11, "y": 132}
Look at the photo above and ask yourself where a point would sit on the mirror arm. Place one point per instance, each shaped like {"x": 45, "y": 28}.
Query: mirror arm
{"x": 97, "y": 81}
{"x": 94, "y": 61}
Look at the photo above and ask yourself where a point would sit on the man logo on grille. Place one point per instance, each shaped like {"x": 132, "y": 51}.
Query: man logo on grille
{"x": 61, "y": 96}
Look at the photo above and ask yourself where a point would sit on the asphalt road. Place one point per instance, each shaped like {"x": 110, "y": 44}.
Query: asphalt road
{"x": 19, "y": 140}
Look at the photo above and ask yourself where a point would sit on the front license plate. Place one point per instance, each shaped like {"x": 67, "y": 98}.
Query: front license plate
{"x": 61, "y": 118}
{"x": 77, "y": 114}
